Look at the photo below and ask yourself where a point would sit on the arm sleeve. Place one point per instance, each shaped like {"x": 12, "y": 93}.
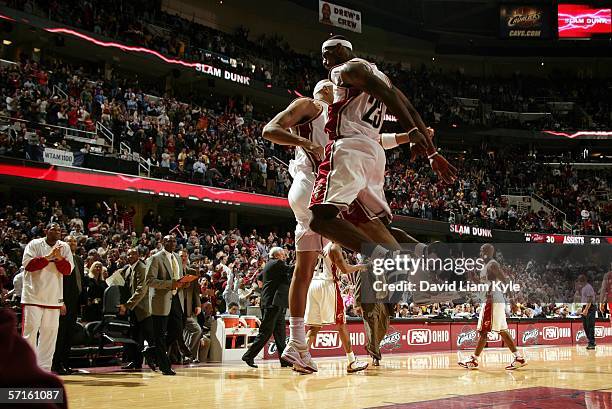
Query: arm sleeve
{"x": 36, "y": 263}
{"x": 31, "y": 261}
{"x": 63, "y": 266}
{"x": 66, "y": 265}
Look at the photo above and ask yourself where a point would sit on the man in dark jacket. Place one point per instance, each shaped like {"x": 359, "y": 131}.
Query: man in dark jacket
{"x": 73, "y": 285}
{"x": 276, "y": 277}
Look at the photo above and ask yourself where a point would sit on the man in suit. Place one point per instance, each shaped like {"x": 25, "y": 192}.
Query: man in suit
{"x": 376, "y": 316}
{"x": 73, "y": 285}
{"x": 163, "y": 274}
{"x": 136, "y": 301}
{"x": 193, "y": 307}
{"x": 276, "y": 277}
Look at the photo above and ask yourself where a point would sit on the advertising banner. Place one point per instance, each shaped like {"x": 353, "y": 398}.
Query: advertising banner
{"x": 338, "y": 16}
{"x": 583, "y": 21}
{"x": 544, "y": 333}
{"x": 428, "y": 336}
{"x": 58, "y": 157}
{"x": 603, "y": 333}
{"x": 524, "y": 21}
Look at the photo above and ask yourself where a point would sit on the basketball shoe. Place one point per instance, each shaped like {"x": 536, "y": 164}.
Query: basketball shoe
{"x": 471, "y": 363}
{"x": 299, "y": 355}
{"x": 356, "y": 366}
{"x": 517, "y": 363}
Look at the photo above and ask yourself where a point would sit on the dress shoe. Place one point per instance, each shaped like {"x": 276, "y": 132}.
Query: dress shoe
{"x": 150, "y": 358}
{"x": 62, "y": 370}
{"x": 131, "y": 366}
{"x": 249, "y": 361}
{"x": 169, "y": 372}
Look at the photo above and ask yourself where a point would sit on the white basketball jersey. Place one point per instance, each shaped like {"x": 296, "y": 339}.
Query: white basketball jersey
{"x": 355, "y": 114}
{"x": 497, "y": 296}
{"x": 314, "y": 130}
{"x": 325, "y": 269}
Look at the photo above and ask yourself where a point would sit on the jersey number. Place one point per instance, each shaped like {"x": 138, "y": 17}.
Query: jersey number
{"x": 373, "y": 115}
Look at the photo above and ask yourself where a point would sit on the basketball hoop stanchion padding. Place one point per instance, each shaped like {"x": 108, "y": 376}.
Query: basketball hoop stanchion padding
{"x": 231, "y": 337}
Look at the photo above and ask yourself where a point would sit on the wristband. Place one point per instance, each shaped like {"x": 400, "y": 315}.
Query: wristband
{"x": 412, "y": 130}
{"x": 388, "y": 141}
{"x": 433, "y": 155}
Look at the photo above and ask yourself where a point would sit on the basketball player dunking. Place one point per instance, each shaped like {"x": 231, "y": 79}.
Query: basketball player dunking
{"x": 324, "y": 305}
{"x": 605, "y": 294}
{"x": 302, "y": 124}
{"x": 354, "y": 163}
{"x": 493, "y": 313}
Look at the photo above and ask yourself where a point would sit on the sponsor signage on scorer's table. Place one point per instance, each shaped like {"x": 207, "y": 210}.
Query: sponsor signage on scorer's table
{"x": 425, "y": 336}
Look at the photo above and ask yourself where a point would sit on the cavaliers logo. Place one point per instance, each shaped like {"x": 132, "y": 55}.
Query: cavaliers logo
{"x": 467, "y": 337}
{"x": 391, "y": 341}
{"x": 531, "y": 336}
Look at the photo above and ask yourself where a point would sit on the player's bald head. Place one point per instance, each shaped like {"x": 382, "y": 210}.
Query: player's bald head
{"x": 324, "y": 91}
{"x": 487, "y": 250}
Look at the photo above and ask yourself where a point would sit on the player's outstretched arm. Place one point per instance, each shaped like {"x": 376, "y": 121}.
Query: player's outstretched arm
{"x": 361, "y": 77}
{"x": 336, "y": 256}
{"x": 277, "y": 130}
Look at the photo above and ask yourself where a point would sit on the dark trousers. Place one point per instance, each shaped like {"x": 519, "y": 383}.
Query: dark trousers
{"x": 167, "y": 329}
{"x": 272, "y": 323}
{"x": 376, "y": 322}
{"x": 140, "y": 332}
{"x": 588, "y": 322}
{"x": 64, "y": 336}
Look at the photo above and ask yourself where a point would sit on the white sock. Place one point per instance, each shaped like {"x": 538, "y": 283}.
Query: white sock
{"x": 351, "y": 357}
{"x": 517, "y": 354}
{"x": 475, "y": 357}
{"x": 297, "y": 333}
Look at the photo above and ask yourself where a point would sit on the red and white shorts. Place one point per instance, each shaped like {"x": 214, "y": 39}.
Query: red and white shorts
{"x": 492, "y": 317}
{"x": 353, "y": 170}
{"x": 324, "y": 305}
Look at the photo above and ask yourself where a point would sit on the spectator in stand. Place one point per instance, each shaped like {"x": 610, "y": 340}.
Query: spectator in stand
{"x": 95, "y": 285}
{"x": 46, "y": 261}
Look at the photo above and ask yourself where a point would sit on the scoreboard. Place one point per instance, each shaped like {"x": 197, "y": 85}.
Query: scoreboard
{"x": 566, "y": 239}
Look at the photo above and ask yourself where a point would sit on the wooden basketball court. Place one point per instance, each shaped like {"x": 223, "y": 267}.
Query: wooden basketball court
{"x": 555, "y": 377}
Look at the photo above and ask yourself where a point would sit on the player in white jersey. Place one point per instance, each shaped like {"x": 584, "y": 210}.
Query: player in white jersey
{"x": 46, "y": 261}
{"x": 354, "y": 163}
{"x": 302, "y": 124}
{"x": 605, "y": 294}
{"x": 493, "y": 313}
{"x": 324, "y": 305}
